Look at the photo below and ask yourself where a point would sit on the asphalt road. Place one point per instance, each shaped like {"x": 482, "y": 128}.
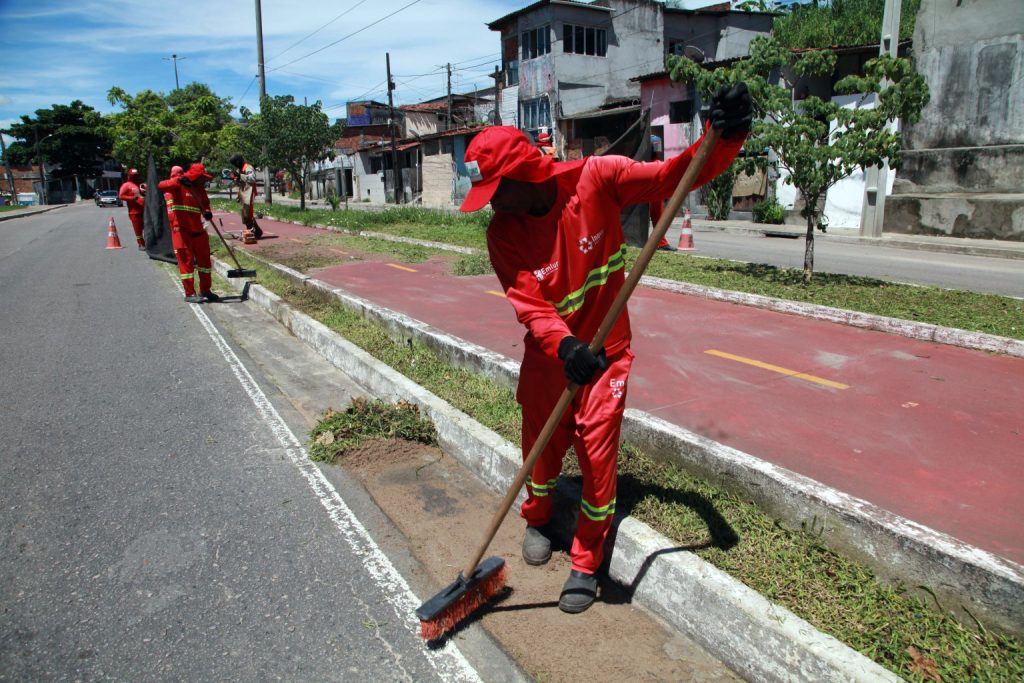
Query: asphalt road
{"x": 954, "y": 271}
{"x": 159, "y": 519}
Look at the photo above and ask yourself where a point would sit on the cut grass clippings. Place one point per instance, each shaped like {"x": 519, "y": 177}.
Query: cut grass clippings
{"x": 791, "y": 567}
{"x": 988, "y": 313}
{"x": 337, "y": 432}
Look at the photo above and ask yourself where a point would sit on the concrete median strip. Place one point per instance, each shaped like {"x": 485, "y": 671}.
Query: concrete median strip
{"x": 752, "y": 636}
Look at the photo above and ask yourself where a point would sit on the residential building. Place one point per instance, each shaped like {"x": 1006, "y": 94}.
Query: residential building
{"x": 571, "y": 66}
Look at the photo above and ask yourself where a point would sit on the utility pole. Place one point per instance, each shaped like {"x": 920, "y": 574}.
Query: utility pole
{"x": 876, "y": 178}
{"x": 449, "y": 126}
{"x": 396, "y": 178}
{"x": 175, "y": 58}
{"x": 267, "y": 195}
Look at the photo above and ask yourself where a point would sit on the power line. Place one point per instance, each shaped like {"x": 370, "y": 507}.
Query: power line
{"x": 239, "y": 100}
{"x": 400, "y": 9}
{"x": 301, "y": 40}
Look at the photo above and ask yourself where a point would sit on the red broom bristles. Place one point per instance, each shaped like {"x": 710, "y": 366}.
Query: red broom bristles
{"x": 474, "y": 598}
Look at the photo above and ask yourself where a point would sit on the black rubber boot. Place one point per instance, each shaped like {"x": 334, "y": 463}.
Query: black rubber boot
{"x": 578, "y": 593}
{"x": 257, "y": 231}
{"x": 194, "y": 299}
{"x": 211, "y": 297}
{"x": 536, "y": 546}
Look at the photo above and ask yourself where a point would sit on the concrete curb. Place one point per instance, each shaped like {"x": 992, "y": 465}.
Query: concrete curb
{"x": 29, "y": 212}
{"x": 749, "y": 634}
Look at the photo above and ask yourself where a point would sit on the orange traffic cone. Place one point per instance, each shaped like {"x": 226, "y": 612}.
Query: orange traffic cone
{"x": 686, "y": 236}
{"x": 113, "y": 241}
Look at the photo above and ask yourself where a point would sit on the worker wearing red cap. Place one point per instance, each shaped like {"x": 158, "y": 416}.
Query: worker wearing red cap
{"x": 191, "y": 206}
{"x": 245, "y": 177}
{"x": 180, "y": 241}
{"x": 545, "y": 144}
{"x": 132, "y": 195}
{"x": 557, "y": 246}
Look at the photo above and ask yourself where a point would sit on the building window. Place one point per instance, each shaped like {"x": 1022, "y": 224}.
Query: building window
{"x": 512, "y": 73}
{"x": 376, "y": 163}
{"x": 584, "y": 40}
{"x": 680, "y": 112}
{"x": 536, "y": 113}
{"x": 535, "y": 42}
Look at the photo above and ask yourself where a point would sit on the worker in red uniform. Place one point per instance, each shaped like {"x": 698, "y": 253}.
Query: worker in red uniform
{"x": 191, "y": 205}
{"x": 132, "y": 195}
{"x": 557, "y": 246}
{"x": 245, "y": 176}
{"x": 180, "y": 241}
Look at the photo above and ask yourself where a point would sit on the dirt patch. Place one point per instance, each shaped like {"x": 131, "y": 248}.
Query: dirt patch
{"x": 442, "y": 510}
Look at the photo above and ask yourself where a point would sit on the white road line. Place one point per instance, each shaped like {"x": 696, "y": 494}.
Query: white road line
{"x": 448, "y": 661}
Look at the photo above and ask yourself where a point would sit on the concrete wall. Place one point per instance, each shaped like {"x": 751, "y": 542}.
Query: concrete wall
{"x": 437, "y": 180}
{"x": 420, "y": 123}
{"x": 971, "y": 52}
{"x": 718, "y": 37}
{"x": 964, "y": 160}
{"x": 658, "y": 95}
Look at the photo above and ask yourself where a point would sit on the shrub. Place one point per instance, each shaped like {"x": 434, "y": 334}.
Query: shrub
{"x": 769, "y": 211}
{"x": 718, "y": 195}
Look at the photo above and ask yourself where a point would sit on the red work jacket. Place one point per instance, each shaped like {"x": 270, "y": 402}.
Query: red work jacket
{"x": 131, "y": 195}
{"x": 561, "y": 271}
{"x": 188, "y": 204}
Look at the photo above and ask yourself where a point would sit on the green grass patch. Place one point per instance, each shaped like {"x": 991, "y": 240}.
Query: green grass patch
{"x": 337, "y": 432}
{"x": 10, "y": 208}
{"x": 791, "y": 567}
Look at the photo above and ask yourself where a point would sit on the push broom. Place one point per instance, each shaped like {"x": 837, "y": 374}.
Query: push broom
{"x": 479, "y": 581}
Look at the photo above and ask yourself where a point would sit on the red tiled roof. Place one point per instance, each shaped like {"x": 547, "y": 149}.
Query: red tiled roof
{"x": 425, "y": 106}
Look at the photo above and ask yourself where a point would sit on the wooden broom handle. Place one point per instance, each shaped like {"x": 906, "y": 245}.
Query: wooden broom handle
{"x": 646, "y": 254}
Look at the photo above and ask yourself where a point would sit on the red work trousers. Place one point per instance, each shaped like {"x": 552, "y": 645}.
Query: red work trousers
{"x": 591, "y": 426}
{"x": 137, "y": 225}
{"x": 193, "y": 253}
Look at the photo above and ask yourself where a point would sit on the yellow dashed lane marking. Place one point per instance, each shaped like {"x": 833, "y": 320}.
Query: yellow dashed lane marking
{"x": 395, "y": 265}
{"x": 337, "y": 251}
{"x": 776, "y": 368}
{"x": 495, "y": 293}
{"x": 296, "y": 239}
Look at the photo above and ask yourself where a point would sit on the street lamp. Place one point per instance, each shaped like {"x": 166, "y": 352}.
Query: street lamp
{"x": 175, "y": 58}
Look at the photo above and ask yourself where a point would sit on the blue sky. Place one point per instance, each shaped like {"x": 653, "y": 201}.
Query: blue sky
{"x": 56, "y": 52}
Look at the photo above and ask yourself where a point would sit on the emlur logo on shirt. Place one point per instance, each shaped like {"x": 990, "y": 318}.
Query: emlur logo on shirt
{"x": 589, "y": 242}
{"x": 542, "y": 273}
{"x": 618, "y": 387}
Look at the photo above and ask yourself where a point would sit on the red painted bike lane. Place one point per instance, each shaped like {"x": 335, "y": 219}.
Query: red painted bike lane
{"x": 931, "y": 432}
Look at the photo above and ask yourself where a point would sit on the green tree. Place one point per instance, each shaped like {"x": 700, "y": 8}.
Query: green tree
{"x": 840, "y": 22}
{"x": 288, "y": 136}
{"x": 74, "y": 137}
{"x": 815, "y": 153}
{"x": 179, "y": 128}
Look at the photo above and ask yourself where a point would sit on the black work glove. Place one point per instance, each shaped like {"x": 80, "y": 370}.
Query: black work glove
{"x": 580, "y": 365}
{"x": 183, "y": 180}
{"x": 731, "y": 111}
{"x": 208, "y": 215}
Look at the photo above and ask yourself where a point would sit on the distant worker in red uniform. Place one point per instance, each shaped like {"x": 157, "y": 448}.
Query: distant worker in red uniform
{"x": 182, "y": 252}
{"x": 557, "y": 246}
{"x": 245, "y": 176}
{"x": 132, "y": 195}
{"x": 190, "y": 206}
{"x": 546, "y": 145}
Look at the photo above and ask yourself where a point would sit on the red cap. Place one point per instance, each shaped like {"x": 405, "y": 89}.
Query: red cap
{"x": 544, "y": 139}
{"x": 176, "y": 171}
{"x": 504, "y": 152}
{"x": 197, "y": 171}
{"x": 133, "y": 172}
